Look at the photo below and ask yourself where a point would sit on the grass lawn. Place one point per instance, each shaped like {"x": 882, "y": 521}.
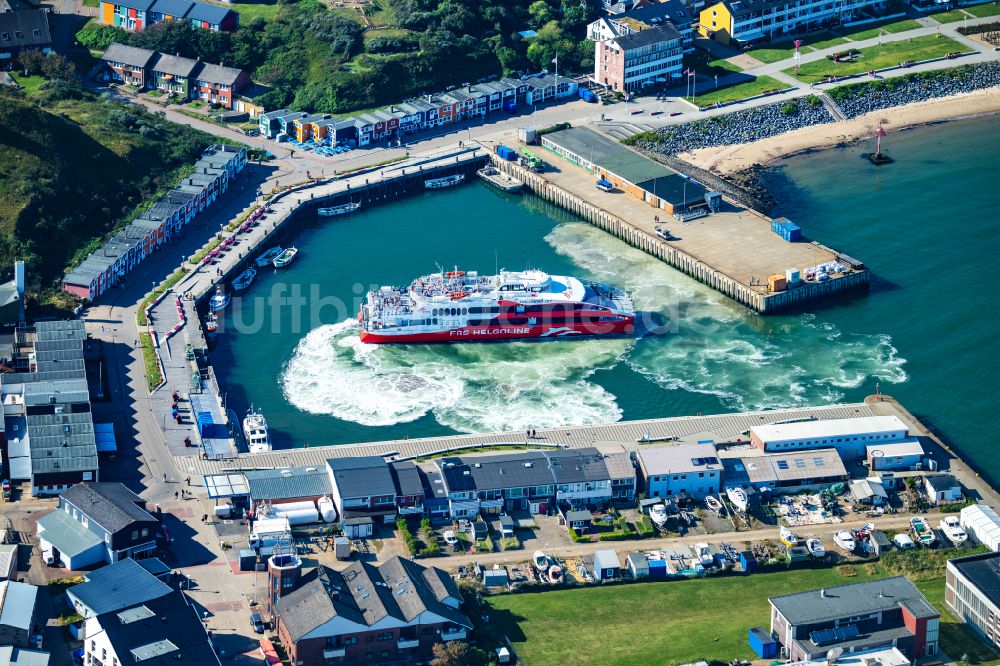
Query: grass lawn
{"x": 30, "y": 83}
{"x": 982, "y": 11}
{"x": 675, "y": 622}
{"x": 91, "y": 3}
{"x": 951, "y": 16}
{"x": 704, "y": 62}
{"x": 758, "y": 85}
{"x": 827, "y": 43}
{"x": 784, "y": 50}
{"x": 873, "y": 30}
{"x": 771, "y": 54}
{"x": 251, "y": 10}
{"x": 878, "y": 57}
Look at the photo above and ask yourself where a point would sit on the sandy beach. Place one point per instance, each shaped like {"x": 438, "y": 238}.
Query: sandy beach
{"x": 728, "y": 159}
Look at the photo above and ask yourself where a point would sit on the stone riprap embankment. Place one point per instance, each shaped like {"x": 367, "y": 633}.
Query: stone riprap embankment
{"x": 740, "y": 127}
{"x": 861, "y": 98}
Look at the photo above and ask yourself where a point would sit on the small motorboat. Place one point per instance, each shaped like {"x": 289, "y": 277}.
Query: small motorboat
{"x": 264, "y": 260}
{"x": 342, "y": 209}
{"x": 658, "y": 514}
{"x": 555, "y": 573}
{"x": 447, "y": 181}
{"x": 211, "y": 324}
{"x": 541, "y": 560}
{"x": 953, "y": 531}
{"x": 816, "y": 549}
{"x": 845, "y": 541}
{"x": 922, "y": 532}
{"x": 219, "y": 300}
{"x": 286, "y": 257}
{"x": 499, "y": 179}
{"x": 244, "y": 279}
{"x": 788, "y": 537}
{"x": 713, "y": 504}
{"x": 738, "y": 497}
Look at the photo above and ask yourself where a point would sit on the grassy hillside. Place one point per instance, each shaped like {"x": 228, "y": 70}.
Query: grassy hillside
{"x": 73, "y": 167}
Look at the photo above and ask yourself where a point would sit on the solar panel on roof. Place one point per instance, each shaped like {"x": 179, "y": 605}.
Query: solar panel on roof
{"x": 835, "y": 635}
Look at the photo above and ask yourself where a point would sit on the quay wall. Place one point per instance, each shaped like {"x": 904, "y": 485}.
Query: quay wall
{"x": 764, "y": 303}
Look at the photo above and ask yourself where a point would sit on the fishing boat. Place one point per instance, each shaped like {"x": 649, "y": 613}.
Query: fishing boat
{"x": 738, "y": 497}
{"x": 816, "y": 549}
{"x": 788, "y": 537}
{"x": 219, "y": 300}
{"x": 211, "y": 324}
{"x": 541, "y": 560}
{"x": 264, "y": 260}
{"x": 446, "y": 181}
{"x": 845, "y": 541}
{"x": 658, "y": 514}
{"x": 555, "y": 573}
{"x": 244, "y": 279}
{"x": 255, "y": 432}
{"x": 499, "y": 179}
{"x": 286, "y": 257}
{"x": 460, "y": 306}
{"x": 342, "y": 209}
{"x": 922, "y": 533}
{"x": 713, "y": 504}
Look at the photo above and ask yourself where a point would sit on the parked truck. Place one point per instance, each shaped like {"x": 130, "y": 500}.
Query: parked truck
{"x": 531, "y": 161}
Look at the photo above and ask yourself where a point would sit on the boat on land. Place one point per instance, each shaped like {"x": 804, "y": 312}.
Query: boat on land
{"x": 713, "y": 504}
{"x": 460, "y": 306}
{"x": 788, "y": 537}
{"x": 738, "y": 497}
{"x": 499, "y": 179}
{"x": 815, "y": 548}
{"x": 286, "y": 257}
{"x": 244, "y": 279}
{"x": 264, "y": 260}
{"x": 555, "y": 573}
{"x": 658, "y": 514}
{"x": 342, "y": 209}
{"x": 952, "y": 529}
{"x": 219, "y": 300}
{"x": 446, "y": 181}
{"x": 541, "y": 560}
{"x": 845, "y": 541}
{"x": 922, "y": 532}
{"x": 255, "y": 432}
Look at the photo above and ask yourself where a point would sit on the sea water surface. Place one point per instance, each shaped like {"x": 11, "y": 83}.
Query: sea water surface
{"x": 926, "y": 332}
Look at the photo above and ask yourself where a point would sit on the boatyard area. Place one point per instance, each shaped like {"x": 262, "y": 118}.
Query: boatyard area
{"x": 732, "y": 249}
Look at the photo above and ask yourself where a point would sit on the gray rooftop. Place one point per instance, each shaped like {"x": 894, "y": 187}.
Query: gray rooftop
{"x": 367, "y": 476}
{"x": 217, "y": 73}
{"x": 111, "y": 505}
{"x": 175, "y": 65}
{"x": 678, "y": 459}
{"x": 983, "y": 572}
{"x": 130, "y": 55}
{"x": 66, "y": 534}
{"x": 787, "y": 466}
{"x": 942, "y": 482}
{"x": 17, "y": 604}
{"x": 288, "y": 483}
{"x": 842, "y": 601}
{"x": 118, "y": 586}
{"x": 661, "y": 33}
{"x": 13, "y": 656}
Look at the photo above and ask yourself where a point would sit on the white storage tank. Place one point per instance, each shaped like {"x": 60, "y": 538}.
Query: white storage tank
{"x": 326, "y": 510}
{"x": 301, "y": 516}
{"x": 292, "y": 506}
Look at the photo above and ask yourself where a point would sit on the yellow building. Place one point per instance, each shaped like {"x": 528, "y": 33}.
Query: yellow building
{"x": 716, "y": 22}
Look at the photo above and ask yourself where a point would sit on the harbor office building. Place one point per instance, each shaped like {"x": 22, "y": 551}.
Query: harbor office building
{"x": 972, "y": 591}
{"x": 850, "y": 437}
{"x": 748, "y": 21}
{"x": 632, "y": 61}
{"x": 626, "y": 169}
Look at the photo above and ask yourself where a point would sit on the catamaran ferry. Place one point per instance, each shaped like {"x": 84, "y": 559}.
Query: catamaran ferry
{"x": 460, "y": 306}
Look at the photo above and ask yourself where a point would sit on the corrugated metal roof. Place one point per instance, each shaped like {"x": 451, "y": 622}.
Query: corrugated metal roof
{"x": 66, "y": 534}
{"x": 17, "y": 604}
{"x": 288, "y": 483}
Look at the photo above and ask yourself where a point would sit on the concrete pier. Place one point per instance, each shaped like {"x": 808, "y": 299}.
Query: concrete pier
{"x": 733, "y": 251}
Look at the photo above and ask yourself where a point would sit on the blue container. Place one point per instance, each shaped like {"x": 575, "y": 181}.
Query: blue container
{"x": 657, "y": 568}
{"x": 506, "y": 153}
{"x": 748, "y": 561}
{"x": 587, "y": 95}
{"x": 762, "y": 643}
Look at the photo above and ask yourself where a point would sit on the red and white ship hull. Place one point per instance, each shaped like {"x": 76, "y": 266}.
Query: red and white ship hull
{"x": 501, "y": 332}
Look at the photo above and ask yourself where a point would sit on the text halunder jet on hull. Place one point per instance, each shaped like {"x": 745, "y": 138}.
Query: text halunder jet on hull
{"x": 460, "y": 306}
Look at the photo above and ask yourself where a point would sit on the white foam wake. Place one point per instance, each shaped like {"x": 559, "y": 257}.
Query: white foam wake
{"x": 474, "y": 387}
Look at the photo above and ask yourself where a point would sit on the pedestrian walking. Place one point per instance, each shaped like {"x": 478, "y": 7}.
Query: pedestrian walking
{"x": 176, "y": 494}
{"x": 164, "y": 477}
{"x": 188, "y": 480}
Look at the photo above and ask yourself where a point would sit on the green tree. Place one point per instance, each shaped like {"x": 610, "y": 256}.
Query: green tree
{"x": 540, "y": 12}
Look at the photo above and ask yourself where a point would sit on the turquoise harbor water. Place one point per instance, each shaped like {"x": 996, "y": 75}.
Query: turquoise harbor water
{"x": 926, "y": 332}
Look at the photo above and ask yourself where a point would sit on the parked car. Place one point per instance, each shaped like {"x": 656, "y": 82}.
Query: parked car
{"x": 903, "y": 541}
{"x": 450, "y": 538}
{"x": 257, "y": 623}
{"x": 252, "y": 132}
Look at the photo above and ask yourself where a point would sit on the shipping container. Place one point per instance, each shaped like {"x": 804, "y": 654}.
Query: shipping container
{"x": 776, "y": 283}
{"x": 506, "y": 153}
{"x": 763, "y": 643}
{"x": 587, "y": 95}
{"x": 657, "y": 568}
